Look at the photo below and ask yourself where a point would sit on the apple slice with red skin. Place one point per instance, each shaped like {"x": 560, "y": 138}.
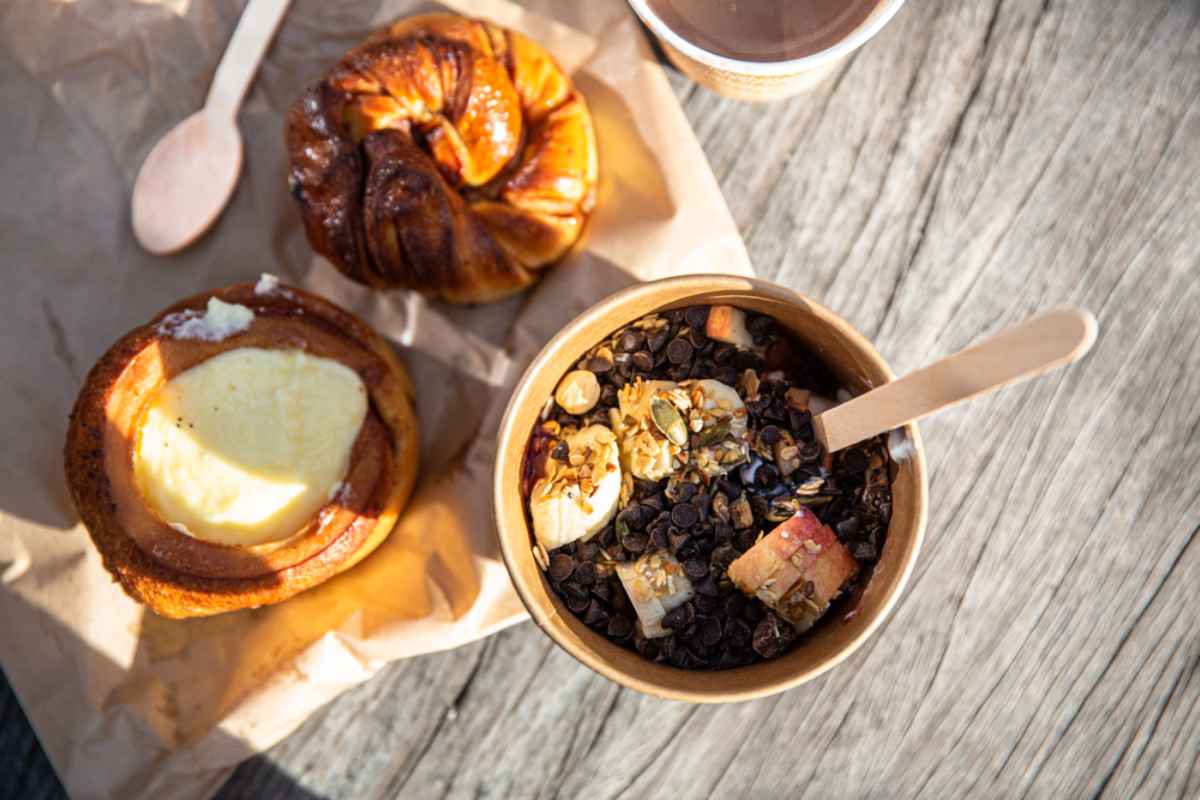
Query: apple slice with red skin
{"x": 797, "y": 569}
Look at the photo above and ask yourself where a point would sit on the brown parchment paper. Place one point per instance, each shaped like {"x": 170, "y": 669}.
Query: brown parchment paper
{"x": 128, "y": 704}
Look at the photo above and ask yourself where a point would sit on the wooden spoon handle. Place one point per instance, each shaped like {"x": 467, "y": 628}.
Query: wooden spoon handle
{"x": 244, "y": 53}
{"x": 1019, "y": 352}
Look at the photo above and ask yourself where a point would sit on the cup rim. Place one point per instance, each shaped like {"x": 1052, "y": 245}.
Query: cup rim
{"x": 860, "y": 36}
{"x": 508, "y": 438}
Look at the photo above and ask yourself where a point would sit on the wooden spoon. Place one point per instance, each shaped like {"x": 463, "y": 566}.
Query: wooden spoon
{"x": 187, "y": 179}
{"x": 1019, "y": 352}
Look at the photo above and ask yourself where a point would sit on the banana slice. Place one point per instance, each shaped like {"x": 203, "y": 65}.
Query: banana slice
{"x": 797, "y": 569}
{"x": 645, "y": 450}
{"x": 720, "y": 420}
{"x": 655, "y": 584}
{"x": 577, "y": 498}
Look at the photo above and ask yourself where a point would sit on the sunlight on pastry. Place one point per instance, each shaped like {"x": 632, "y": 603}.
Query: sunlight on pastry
{"x": 247, "y": 446}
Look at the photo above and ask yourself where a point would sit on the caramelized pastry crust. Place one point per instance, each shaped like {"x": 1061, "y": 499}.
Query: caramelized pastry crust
{"x": 446, "y": 155}
{"x": 179, "y": 575}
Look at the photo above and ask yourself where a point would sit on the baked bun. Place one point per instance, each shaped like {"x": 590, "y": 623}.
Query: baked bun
{"x": 446, "y": 155}
{"x": 243, "y": 446}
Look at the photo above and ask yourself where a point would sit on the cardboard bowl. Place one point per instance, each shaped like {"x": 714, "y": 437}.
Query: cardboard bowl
{"x": 852, "y": 619}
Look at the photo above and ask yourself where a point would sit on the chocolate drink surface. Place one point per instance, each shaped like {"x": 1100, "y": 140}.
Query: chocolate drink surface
{"x": 763, "y": 30}
{"x": 681, "y": 505}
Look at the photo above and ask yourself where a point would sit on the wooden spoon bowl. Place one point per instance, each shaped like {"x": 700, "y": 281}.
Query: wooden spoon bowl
{"x": 856, "y": 365}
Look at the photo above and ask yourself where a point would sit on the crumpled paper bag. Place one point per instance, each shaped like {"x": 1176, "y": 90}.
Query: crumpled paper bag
{"x": 128, "y": 704}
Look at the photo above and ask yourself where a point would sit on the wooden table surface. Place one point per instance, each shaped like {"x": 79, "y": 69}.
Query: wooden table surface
{"x": 978, "y": 161}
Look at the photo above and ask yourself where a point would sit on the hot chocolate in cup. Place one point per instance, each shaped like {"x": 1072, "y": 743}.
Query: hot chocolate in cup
{"x": 762, "y": 49}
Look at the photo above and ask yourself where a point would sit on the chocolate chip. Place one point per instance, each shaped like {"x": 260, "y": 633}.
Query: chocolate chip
{"x": 766, "y": 476}
{"x": 696, "y": 316}
{"x": 620, "y": 627}
{"x": 760, "y": 325}
{"x": 740, "y": 631}
{"x": 631, "y": 517}
{"x": 863, "y": 551}
{"x": 679, "y": 352}
{"x": 578, "y": 605}
{"x": 636, "y": 542}
{"x": 684, "y": 515}
{"x": 726, "y": 375}
{"x": 811, "y": 453}
{"x": 679, "y": 616}
{"x": 585, "y": 573}
{"x": 706, "y": 587}
{"x": 560, "y": 451}
{"x": 680, "y": 658}
{"x": 848, "y": 528}
{"x": 647, "y": 648}
{"x": 595, "y": 615}
{"x": 723, "y": 556}
{"x": 729, "y": 660}
{"x": 677, "y": 539}
{"x": 746, "y": 539}
{"x": 658, "y": 538}
{"x": 754, "y": 611}
{"x": 561, "y": 567}
{"x": 706, "y": 604}
{"x": 729, "y": 488}
{"x": 620, "y": 600}
{"x": 695, "y": 568}
{"x": 643, "y": 360}
{"x": 630, "y": 340}
{"x": 854, "y": 460}
{"x": 602, "y": 590}
{"x": 598, "y": 364}
{"x": 772, "y": 636}
{"x": 657, "y": 339}
{"x": 680, "y": 373}
{"x": 770, "y": 435}
{"x": 710, "y": 632}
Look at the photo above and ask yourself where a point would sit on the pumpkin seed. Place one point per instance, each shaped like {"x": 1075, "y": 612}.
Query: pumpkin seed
{"x": 716, "y": 433}
{"x": 668, "y": 420}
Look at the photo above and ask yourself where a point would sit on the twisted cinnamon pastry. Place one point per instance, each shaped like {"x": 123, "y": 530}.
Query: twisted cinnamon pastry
{"x": 446, "y": 155}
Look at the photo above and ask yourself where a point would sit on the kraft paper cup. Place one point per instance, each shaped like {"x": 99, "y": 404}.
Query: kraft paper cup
{"x": 851, "y": 620}
{"x": 759, "y": 80}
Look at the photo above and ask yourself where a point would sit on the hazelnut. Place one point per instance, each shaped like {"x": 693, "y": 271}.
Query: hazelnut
{"x": 578, "y": 392}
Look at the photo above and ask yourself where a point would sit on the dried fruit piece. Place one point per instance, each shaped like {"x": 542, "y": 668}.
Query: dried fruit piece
{"x": 578, "y": 392}
{"x": 772, "y": 636}
{"x": 656, "y": 584}
{"x": 728, "y": 324}
{"x": 574, "y": 502}
{"x": 796, "y": 570}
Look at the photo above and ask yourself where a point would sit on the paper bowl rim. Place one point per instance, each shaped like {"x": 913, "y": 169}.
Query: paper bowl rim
{"x": 681, "y": 288}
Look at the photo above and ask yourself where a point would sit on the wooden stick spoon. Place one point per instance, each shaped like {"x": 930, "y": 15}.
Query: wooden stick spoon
{"x": 1017, "y": 353}
{"x": 187, "y": 179}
